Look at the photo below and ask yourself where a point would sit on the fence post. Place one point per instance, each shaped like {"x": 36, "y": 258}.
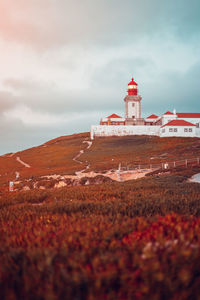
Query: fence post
{"x": 174, "y": 164}
{"x": 186, "y": 162}
{"x": 150, "y": 166}
{"x": 198, "y": 161}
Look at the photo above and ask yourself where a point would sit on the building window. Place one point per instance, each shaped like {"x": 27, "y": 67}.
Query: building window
{"x": 197, "y": 125}
{"x": 175, "y": 130}
{"x": 171, "y": 129}
{"x": 163, "y": 130}
{"x": 185, "y": 130}
{"x": 133, "y": 104}
{"x": 190, "y": 129}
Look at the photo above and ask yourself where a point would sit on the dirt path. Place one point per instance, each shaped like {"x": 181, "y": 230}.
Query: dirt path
{"x": 8, "y": 155}
{"x": 89, "y": 144}
{"x": 77, "y": 156}
{"x": 79, "y": 173}
{"x": 22, "y": 162}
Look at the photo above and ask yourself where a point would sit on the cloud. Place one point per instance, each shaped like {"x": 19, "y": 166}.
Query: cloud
{"x": 7, "y": 101}
{"x": 48, "y": 24}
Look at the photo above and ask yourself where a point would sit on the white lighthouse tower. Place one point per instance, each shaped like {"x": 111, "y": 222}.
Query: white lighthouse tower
{"x": 133, "y": 105}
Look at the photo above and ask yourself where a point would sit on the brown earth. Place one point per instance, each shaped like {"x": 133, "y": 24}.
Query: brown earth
{"x": 102, "y": 157}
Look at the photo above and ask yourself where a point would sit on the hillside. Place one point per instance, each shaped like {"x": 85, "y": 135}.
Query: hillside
{"x": 137, "y": 239}
{"x": 53, "y": 157}
{"x": 108, "y": 152}
{"x": 67, "y": 155}
{"x": 131, "y": 240}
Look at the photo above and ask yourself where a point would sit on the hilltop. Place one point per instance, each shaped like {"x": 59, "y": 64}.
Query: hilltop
{"x": 72, "y": 155}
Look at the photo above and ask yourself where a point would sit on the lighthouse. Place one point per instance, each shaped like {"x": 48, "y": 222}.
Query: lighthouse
{"x": 167, "y": 125}
{"x": 133, "y": 105}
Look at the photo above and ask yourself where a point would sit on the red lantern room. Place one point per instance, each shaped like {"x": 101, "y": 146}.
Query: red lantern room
{"x": 132, "y": 88}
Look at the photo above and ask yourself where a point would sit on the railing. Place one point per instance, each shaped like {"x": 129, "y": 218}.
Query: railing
{"x": 165, "y": 165}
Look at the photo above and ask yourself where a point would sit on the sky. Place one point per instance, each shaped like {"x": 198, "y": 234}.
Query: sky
{"x": 66, "y": 63}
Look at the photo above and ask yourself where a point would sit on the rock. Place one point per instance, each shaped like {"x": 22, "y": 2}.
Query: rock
{"x": 60, "y": 184}
{"x": 26, "y": 188}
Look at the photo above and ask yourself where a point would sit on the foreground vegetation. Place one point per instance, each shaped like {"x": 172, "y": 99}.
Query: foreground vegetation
{"x": 133, "y": 240}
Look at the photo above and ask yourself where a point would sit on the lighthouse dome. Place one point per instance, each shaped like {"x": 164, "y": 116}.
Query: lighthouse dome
{"x": 132, "y": 88}
{"x": 132, "y": 82}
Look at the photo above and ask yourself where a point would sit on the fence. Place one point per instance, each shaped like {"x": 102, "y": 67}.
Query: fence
{"x": 165, "y": 165}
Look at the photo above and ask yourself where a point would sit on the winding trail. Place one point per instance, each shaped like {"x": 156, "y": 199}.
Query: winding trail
{"x": 89, "y": 144}
{"x": 8, "y": 155}
{"x": 79, "y": 173}
{"x": 77, "y": 156}
{"x": 22, "y": 162}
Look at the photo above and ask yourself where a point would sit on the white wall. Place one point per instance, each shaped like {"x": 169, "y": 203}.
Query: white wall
{"x": 167, "y": 118}
{"x": 180, "y": 131}
{"x": 198, "y": 132}
{"x": 105, "y": 130}
{"x": 133, "y": 110}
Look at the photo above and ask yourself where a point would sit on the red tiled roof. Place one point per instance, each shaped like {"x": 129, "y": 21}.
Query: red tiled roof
{"x": 113, "y": 116}
{"x": 152, "y": 117}
{"x": 178, "y": 123}
{"x": 168, "y": 113}
{"x": 188, "y": 115}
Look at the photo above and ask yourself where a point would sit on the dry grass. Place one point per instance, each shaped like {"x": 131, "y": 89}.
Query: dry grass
{"x": 56, "y": 156}
{"x": 108, "y": 152}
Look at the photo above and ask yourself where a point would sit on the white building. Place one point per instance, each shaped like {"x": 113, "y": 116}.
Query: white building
{"x": 167, "y": 125}
{"x": 178, "y": 128}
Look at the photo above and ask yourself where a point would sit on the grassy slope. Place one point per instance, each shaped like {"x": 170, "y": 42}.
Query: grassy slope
{"x": 102, "y": 242}
{"x": 108, "y": 152}
{"x": 55, "y": 156}
{"x": 143, "y": 197}
{"x": 105, "y": 241}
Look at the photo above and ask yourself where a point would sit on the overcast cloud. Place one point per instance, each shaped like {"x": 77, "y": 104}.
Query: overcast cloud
{"x": 65, "y": 63}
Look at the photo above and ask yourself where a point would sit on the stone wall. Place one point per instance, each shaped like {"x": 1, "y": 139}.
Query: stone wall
{"x": 104, "y": 130}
